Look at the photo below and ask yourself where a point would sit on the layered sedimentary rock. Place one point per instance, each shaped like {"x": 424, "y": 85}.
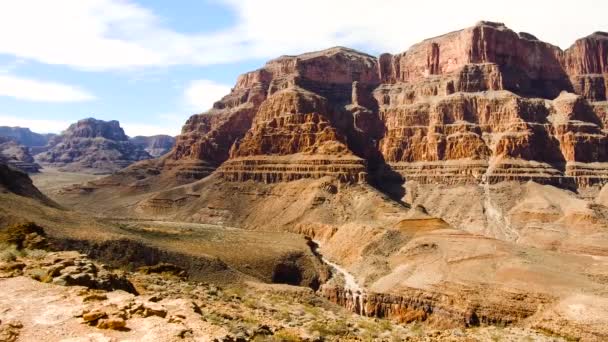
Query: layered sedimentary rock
{"x": 156, "y": 145}
{"x": 292, "y": 137}
{"x": 17, "y": 155}
{"x": 92, "y": 145}
{"x": 586, "y": 62}
{"x": 486, "y": 104}
{"x": 303, "y": 115}
{"x": 483, "y": 104}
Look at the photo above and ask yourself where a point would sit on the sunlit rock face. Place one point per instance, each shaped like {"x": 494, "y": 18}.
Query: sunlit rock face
{"x": 483, "y": 104}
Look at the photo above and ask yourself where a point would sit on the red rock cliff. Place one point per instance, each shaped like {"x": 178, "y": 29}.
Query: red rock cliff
{"x": 484, "y": 104}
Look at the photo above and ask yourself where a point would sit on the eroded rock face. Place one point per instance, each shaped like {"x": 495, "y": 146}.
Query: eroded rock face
{"x": 516, "y": 63}
{"x": 587, "y": 65}
{"x": 17, "y": 155}
{"x": 484, "y": 104}
{"x": 25, "y": 136}
{"x": 92, "y": 145}
{"x": 296, "y": 106}
{"x": 18, "y": 182}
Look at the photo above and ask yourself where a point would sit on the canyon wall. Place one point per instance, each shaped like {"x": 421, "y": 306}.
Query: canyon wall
{"x": 480, "y": 105}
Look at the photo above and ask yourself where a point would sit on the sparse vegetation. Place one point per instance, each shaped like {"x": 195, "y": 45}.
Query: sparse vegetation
{"x": 330, "y": 328}
{"x": 35, "y": 253}
{"x": 24, "y": 235}
{"x": 40, "y": 275}
{"x": 9, "y": 252}
{"x": 286, "y": 336}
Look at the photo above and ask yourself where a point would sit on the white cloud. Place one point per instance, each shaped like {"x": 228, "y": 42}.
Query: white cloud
{"x": 201, "y": 94}
{"x": 41, "y": 91}
{"x": 162, "y": 126}
{"x": 119, "y": 34}
{"x": 135, "y": 129}
{"x": 36, "y": 125}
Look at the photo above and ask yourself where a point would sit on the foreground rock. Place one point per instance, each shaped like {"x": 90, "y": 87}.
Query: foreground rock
{"x": 170, "y": 309}
{"x": 92, "y": 145}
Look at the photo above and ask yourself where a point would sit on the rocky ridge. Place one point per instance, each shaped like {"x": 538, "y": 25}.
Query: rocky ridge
{"x": 25, "y": 136}
{"x": 17, "y": 155}
{"x": 92, "y": 145}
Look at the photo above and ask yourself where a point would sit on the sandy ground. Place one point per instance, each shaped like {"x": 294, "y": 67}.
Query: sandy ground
{"x": 49, "y": 180}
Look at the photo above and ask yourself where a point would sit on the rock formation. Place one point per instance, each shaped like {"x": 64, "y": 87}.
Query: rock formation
{"x": 17, "y": 155}
{"x": 156, "y": 145}
{"x": 15, "y": 181}
{"x": 25, "y": 136}
{"x": 92, "y": 145}
{"x": 480, "y": 105}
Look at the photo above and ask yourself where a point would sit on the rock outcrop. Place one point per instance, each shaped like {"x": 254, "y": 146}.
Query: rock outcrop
{"x": 17, "y": 155}
{"x": 586, "y": 63}
{"x": 156, "y": 145}
{"x": 92, "y": 145}
{"x": 13, "y": 180}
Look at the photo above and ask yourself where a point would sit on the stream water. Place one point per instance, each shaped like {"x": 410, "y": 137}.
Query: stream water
{"x": 350, "y": 284}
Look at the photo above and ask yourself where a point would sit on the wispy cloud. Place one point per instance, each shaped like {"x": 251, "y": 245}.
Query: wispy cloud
{"x": 36, "y": 125}
{"x": 41, "y": 91}
{"x": 200, "y": 95}
{"x": 120, "y": 34}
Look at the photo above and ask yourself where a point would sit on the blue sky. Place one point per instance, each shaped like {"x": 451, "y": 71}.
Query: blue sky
{"x": 151, "y": 64}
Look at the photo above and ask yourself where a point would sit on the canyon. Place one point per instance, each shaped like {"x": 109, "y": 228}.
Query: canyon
{"x": 461, "y": 183}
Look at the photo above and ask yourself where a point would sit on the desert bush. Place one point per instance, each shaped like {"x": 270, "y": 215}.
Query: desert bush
{"x": 330, "y": 328}
{"x": 9, "y": 253}
{"x": 40, "y": 275}
{"x": 35, "y": 253}
{"x": 24, "y": 235}
{"x": 286, "y": 336}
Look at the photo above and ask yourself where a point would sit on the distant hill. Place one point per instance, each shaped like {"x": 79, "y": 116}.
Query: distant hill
{"x": 155, "y": 145}
{"x": 92, "y": 145}
{"x": 25, "y": 136}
